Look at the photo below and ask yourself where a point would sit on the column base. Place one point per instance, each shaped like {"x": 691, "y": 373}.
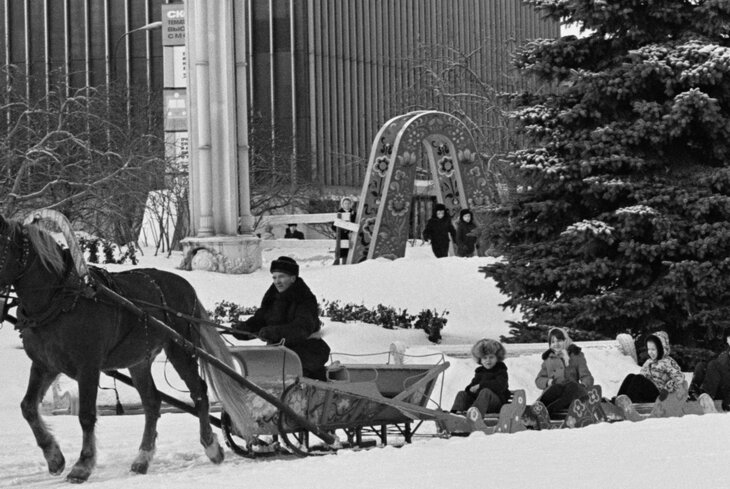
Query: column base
{"x": 224, "y": 254}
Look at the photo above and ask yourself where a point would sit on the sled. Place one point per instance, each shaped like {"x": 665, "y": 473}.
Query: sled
{"x": 582, "y": 412}
{"x": 508, "y": 420}
{"x": 675, "y": 405}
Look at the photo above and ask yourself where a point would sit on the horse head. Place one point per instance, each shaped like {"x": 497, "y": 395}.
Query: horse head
{"x": 20, "y": 245}
{"x": 13, "y": 252}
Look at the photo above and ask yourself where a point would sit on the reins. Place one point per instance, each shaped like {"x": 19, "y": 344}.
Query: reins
{"x": 187, "y": 317}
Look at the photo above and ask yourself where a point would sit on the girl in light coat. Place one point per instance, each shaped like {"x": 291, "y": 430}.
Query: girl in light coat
{"x": 564, "y": 375}
{"x": 659, "y": 375}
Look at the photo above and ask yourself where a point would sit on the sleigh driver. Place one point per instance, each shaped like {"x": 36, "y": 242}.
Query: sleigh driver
{"x": 289, "y": 312}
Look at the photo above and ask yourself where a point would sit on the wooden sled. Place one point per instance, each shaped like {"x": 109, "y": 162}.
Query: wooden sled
{"x": 675, "y": 405}
{"x": 582, "y": 412}
{"x": 508, "y": 420}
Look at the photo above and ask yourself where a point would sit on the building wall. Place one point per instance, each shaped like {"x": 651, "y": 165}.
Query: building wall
{"x": 324, "y": 75}
{"x": 329, "y": 79}
{"x": 83, "y": 41}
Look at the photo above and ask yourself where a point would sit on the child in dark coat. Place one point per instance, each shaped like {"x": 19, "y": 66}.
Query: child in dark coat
{"x": 489, "y": 389}
{"x": 465, "y": 242}
{"x": 437, "y": 231}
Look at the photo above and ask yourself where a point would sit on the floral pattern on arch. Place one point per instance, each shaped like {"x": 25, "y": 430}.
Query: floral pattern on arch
{"x": 398, "y": 205}
{"x": 381, "y": 166}
{"x": 446, "y": 166}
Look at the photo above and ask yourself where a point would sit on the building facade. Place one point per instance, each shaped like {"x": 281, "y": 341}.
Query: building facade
{"x": 323, "y": 75}
{"x": 89, "y": 42}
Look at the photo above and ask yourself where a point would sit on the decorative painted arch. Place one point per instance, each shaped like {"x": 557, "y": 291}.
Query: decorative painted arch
{"x": 385, "y": 201}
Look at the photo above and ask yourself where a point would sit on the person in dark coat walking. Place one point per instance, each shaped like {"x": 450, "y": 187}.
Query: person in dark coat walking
{"x": 289, "y": 312}
{"x": 465, "y": 242}
{"x": 713, "y": 378}
{"x": 489, "y": 389}
{"x": 437, "y": 231}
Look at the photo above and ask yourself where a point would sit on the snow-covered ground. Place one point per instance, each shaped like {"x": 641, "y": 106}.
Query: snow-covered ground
{"x": 667, "y": 453}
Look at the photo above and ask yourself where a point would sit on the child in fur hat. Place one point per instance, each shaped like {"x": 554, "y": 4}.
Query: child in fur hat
{"x": 564, "y": 375}
{"x": 659, "y": 375}
{"x": 489, "y": 389}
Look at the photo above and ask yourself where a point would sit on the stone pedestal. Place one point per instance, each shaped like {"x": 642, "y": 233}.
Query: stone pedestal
{"x": 224, "y": 254}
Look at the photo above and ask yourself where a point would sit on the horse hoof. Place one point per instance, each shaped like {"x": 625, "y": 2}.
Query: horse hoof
{"x": 140, "y": 468}
{"x": 55, "y": 460}
{"x": 77, "y": 476}
{"x": 142, "y": 462}
{"x": 215, "y": 452}
{"x": 56, "y": 465}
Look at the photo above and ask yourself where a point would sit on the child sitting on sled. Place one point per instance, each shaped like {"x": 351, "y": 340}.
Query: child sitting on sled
{"x": 489, "y": 389}
{"x": 659, "y": 375}
{"x": 564, "y": 375}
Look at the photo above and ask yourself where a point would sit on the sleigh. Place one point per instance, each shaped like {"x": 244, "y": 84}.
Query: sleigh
{"x": 368, "y": 402}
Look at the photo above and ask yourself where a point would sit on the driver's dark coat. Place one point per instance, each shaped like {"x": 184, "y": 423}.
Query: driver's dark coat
{"x": 292, "y": 316}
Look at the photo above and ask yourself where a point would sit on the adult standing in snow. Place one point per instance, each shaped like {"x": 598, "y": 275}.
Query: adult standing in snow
{"x": 346, "y": 213}
{"x": 564, "y": 375}
{"x": 437, "y": 231}
{"x": 289, "y": 312}
{"x": 713, "y": 378}
{"x": 659, "y": 375}
{"x": 465, "y": 242}
{"x": 292, "y": 232}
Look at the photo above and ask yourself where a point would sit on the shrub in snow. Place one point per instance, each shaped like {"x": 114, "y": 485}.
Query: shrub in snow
{"x": 388, "y": 317}
{"x": 100, "y": 250}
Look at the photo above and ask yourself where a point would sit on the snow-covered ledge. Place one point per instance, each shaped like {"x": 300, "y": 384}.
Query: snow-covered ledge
{"x": 224, "y": 254}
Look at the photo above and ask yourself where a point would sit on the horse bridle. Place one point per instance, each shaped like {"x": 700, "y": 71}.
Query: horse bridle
{"x": 24, "y": 252}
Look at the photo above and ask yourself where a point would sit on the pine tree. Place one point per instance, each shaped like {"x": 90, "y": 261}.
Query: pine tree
{"x": 623, "y": 223}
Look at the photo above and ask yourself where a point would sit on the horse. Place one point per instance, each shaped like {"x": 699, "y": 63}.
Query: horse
{"x": 68, "y": 328}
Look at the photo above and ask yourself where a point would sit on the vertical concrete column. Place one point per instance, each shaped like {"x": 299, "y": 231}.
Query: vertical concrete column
{"x": 197, "y": 11}
{"x": 244, "y": 183}
{"x": 223, "y": 103}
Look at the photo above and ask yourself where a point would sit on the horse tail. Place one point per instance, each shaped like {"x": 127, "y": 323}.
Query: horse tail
{"x": 230, "y": 393}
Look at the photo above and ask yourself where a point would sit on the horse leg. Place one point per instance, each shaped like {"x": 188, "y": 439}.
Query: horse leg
{"x": 145, "y": 385}
{"x": 38, "y": 383}
{"x": 88, "y": 381}
{"x": 187, "y": 367}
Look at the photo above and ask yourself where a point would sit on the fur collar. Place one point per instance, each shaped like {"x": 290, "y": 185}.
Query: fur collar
{"x": 297, "y": 292}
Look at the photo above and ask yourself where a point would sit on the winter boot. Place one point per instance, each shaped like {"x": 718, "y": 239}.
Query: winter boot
{"x": 625, "y": 404}
{"x": 707, "y": 404}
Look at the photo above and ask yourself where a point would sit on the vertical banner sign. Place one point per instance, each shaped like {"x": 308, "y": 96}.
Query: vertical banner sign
{"x": 173, "y": 24}
{"x": 176, "y": 113}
